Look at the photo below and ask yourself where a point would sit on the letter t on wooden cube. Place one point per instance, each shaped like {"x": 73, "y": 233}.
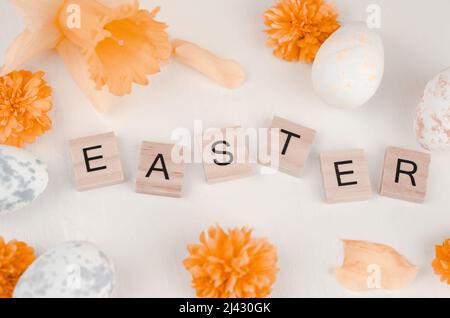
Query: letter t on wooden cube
{"x": 158, "y": 172}
{"x": 96, "y": 161}
{"x": 405, "y": 174}
{"x": 345, "y": 176}
{"x": 291, "y": 145}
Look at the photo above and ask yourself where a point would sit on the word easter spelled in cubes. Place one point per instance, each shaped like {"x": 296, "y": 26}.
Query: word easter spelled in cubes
{"x": 96, "y": 163}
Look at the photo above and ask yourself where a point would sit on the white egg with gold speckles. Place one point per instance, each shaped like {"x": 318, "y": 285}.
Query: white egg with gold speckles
{"x": 71, "y": 270}
{"x": 349, "y": 66}
{"x": 432, "y": 121}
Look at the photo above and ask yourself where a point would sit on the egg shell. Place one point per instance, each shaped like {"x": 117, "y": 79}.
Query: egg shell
{"x": 71, "y": 270}
{"x": 432, "y": 122}
{"x": 349, "y": 66}
{"x": 23, "y": 178}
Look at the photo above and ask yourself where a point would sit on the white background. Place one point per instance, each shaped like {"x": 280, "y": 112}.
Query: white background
{"x": 146, "y": 236}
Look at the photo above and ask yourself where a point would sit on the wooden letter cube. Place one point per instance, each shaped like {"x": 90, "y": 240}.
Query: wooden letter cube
{"x": 158, "y": 173}
{"x": 225, "y": 155}
{"x": 345, "y": 176}
{"x": 405, "y": 174}
{"x": 294, "y": 145}
{"x": 96, "y": 161}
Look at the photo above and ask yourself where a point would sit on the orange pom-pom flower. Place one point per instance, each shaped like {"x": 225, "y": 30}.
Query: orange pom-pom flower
{"x": 25, "y": 100}
{"x": 297, "y": 28}
{"x": 232, "y": 264}
{"x": 441, "y": 263}
{"x": 15, "y": 257}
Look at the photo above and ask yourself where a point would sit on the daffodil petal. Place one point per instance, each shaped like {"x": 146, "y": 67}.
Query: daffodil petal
{"x": 39, "y": 36}
{"x": 227, "y": 73}
{"x": 134, "y": 47}
{"x": 28, "y": 45}
{"x": 79, "y": 70}
{"x": 117, "y": 3}
{"x": 37, "y": 13}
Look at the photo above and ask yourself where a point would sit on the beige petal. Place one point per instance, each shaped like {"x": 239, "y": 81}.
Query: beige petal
{"x": 117, "y": 3}
{"x": 39, "y": 36}
{"x": 29, "y": 45}
{"x": 78, "y": 67}
{"x": 37, "y": 13}
{"x": 370, "y": 266}
{"x": 227, "y": 73}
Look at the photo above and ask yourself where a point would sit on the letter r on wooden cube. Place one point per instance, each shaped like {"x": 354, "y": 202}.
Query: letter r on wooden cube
{"x": 405, "y": 174}
{"x": 159, "y": 173}
{"x": 345, "y": 176}
{"x": 96, "y": 161}
{"x": 292, "y": 147}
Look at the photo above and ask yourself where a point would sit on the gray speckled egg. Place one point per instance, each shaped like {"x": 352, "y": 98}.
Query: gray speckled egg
{"x": 22, "y": 178}
{"x": 71, "y": 270}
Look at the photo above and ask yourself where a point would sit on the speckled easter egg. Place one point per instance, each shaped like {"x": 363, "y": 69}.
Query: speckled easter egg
{"x": 432, "y": 121}
{"x": 71, "y": 270}
{"x": 349, "y": 66}
{"x": 23, "y": 178}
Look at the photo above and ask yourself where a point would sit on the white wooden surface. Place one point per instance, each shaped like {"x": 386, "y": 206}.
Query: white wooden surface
{"x": 146, "y": 236}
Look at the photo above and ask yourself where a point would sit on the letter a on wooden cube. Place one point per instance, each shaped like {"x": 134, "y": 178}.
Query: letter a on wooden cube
{"x": 345, "y": 176}
{"x": 159, "y": 173}
{"x": 225, "y": 155}
{"x": 405, "y": 174}
{"x": 96, "y": 161}
{"x": 292, "y": 144}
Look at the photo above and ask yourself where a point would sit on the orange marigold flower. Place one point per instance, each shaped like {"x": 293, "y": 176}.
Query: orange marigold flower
{"x": 15, "y": 257}
{"x": 297, "y": 28}
{"x": 25, "y": 100}
{"x": 441, "y": 263}
{"x": 232, "y": 265}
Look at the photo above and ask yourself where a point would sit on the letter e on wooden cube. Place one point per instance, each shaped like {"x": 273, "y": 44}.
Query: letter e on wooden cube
{"x": 345, "y": 176}
{"x": 96, "y": 161}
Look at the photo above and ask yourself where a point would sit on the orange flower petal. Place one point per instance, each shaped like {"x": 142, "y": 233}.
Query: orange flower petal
{"x": 122, "y": 46}
{"x": 297, "y": 28}
{"x": 39, "y": 36}
{"x": 15, "y": 258}
{"x": 227, "y": 73}
{"x": 25, "y": 100}
{"x": 232, "y": 264}
{"x": 79, "y": 70}
{"x": 441, "y": 264}
{"x": 28, "y": 45}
